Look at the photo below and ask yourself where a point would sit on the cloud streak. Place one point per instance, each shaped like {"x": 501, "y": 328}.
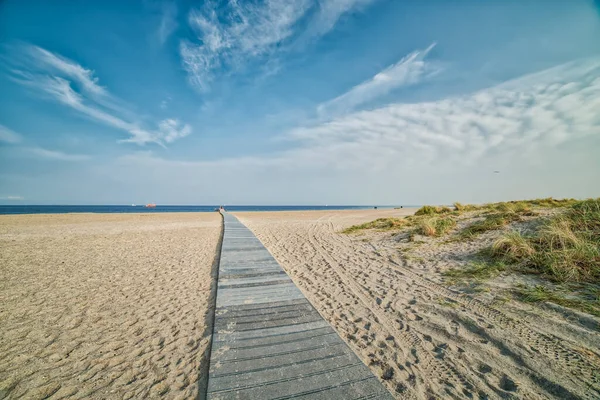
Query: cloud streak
{"x": 418, "y": 153}
{"x": 545, "y": 109}
{"x": 60, "y": 79}
{"x": 7, "y": 135}
{"x": 410, "y": 70}
{"x": 168, "y": 23}
{"x": 519, "y": 119}
{"x": 57, "y": 155}
{"x": 231, "y": 34}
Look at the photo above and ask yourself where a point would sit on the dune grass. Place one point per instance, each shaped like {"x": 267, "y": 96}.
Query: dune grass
{"x": 476, "y": 271}
{"x": 489, "y": 223}
{"x": 435, "y": 226}
{"x": 433, "y": 210}
{"x": 380, "y": 224}
{"x": 465, "y": 207}
{"x": 566, "y": 248}
{"x": 516, "y": 205}
{"x": 512, "y": 247}
{"x": 539, "y": 293}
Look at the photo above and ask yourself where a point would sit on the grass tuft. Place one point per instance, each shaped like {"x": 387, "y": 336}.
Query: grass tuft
{"x": 565, "y": 249}
{"x": 489, "y": 223}
{"x": 380, "y": 224}
{"x": 435, "y": 226}
{"x": 465, "y": 207}
{"x": 540, "y": 293}
{"x": 432, "y": 210}
{"x": 476, "y": 271}
{"x": 512, "y": 246}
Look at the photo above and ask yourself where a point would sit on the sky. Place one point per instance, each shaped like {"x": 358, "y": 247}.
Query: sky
{"x": 274, "y": 102}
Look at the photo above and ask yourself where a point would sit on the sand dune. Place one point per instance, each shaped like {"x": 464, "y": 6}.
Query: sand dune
{"x": 422, "y": 339}
{"x": 105, "y": 306}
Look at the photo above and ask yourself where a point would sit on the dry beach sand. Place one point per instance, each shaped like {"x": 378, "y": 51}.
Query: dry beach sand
{"x": 119, "y": 306}
{"x": 422, "y": 339}
{"x": 105, "y": 305}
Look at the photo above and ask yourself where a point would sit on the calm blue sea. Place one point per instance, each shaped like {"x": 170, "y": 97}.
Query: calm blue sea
{"x": 29, "y": 209}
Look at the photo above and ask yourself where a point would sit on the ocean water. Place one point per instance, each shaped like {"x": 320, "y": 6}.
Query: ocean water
{"x": 62, "y": 209}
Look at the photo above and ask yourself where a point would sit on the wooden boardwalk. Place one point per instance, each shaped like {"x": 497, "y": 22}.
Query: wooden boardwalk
{"x": 268, "y": 340}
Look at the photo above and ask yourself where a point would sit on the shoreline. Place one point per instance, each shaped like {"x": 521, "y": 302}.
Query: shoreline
{"x": 152, "y": 211}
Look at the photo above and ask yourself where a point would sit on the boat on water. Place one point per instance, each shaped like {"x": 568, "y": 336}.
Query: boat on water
{"x": 150, "y": 205}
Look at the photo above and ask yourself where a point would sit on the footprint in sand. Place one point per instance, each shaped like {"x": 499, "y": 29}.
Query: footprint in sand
{"x": 507, "y": 384}
{"x": 453, "y": 327}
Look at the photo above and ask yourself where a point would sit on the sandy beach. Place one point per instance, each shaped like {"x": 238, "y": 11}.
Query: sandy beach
{"x": 108, "y": 306}
{"x": 421, "y": 338}
{"x": 118, "y": 306}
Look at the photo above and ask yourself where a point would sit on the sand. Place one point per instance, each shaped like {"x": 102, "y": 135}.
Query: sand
{"x": 422, "y": 338}
{"x": 109, "y": 306}
{"x": 119, "y": 306}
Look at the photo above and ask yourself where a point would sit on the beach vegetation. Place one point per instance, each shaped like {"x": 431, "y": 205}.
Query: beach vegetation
{"x": 435, "y": 226}
{"x": 588, "y": 301}
{"x": 380, "y": 224}
{"x": 465, "y": 207}
{"x": 512, "y": 246}
{"x": 433, "y": 210}
{"x": 565, "y": 248}
{"x": 476, "y": 270}
{"x": 491, "y": 222}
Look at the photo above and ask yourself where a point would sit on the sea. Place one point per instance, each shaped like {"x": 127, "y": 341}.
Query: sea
{"x": 63, "y": 209}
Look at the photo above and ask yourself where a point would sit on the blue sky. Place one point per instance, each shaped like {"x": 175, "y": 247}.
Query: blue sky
{"x": 303, "y": 102}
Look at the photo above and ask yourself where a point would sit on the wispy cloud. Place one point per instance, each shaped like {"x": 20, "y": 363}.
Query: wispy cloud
{"x": 165, "y": 103}
{"x": 168, "y": 22}
{"x": 330, "y": 11}
{"x": 57, "y": 155}
{"x": 8, "y": 135}
{"x": 74, "y": 86}
{"x": 544, "y": 109}
{"x": 523, "y": 117}
{"x": 410, "y": 70}
{"x": 232, "y": 34}
{"x": 12, "y": 198}
{"x": 54, "y": 63}
{"x": 387, "y": 154}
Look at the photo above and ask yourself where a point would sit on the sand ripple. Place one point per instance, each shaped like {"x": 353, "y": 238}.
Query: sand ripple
{"x": 105, "y": 306}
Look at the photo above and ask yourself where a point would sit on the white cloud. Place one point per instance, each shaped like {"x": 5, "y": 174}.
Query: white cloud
{"x": 172, "y": 130}
{"x": 55, "y": 63}
{"x": 57, "y": 155}
{"x": 433, "y": 151}
{"x": 410, "y": 70}
{"x": 58, "y": 78}
{"x": 168, "y": 23}
{"x": 230, "y": 35}
{"x": 330, "y": 11}
{"x": 545, "y": 109}
{"x": 8, "y": 135}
